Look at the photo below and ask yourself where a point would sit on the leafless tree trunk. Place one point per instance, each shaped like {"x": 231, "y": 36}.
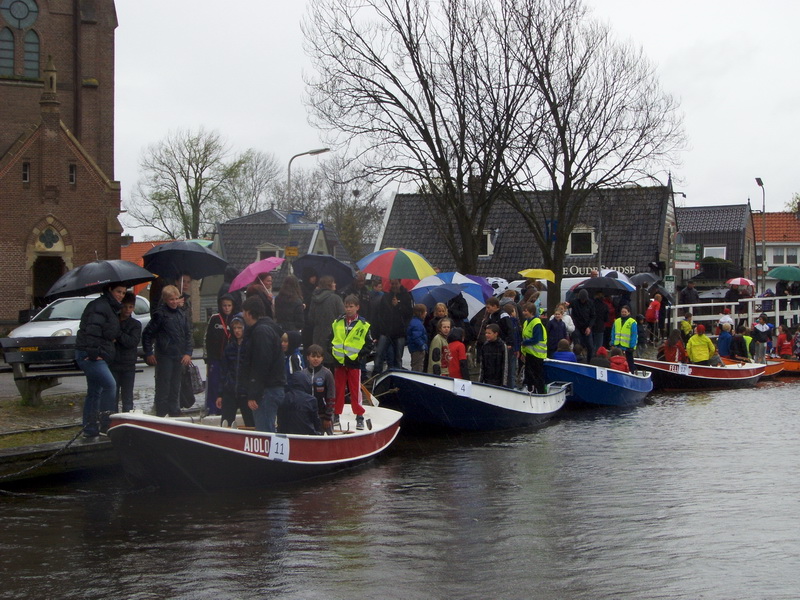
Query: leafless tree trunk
{"x": 428, "y": 92}
{"x": 180, "y": 190}
{"x": 248, "y": 189}
{"x": 603, "y": 119}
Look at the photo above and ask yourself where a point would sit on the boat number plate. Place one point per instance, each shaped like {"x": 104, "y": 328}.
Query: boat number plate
{"x": 279, "y": 448}
{"x": 462, "y": 387}
{"x": 680, "y": 369}
{"x": 602, "y": 374}
{"x": 275, "y": 447}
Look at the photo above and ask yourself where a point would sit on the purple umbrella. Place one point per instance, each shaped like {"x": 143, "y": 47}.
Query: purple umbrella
{"x": 488, "y": 291}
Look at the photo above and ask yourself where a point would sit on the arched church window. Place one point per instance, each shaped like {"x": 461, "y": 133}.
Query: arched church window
{"x": 31, "y": 56}
{"x": 6, "y": 52}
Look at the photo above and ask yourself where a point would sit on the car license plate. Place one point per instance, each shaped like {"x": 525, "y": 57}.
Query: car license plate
{"x": 29, "y": 349}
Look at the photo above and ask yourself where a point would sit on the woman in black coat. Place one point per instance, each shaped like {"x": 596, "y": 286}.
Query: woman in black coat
{"x": 289, "y": 308}
{"x": 94, "y": 351}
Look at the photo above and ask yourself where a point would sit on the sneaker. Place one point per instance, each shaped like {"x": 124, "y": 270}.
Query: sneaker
{"x": 360, "y": 422}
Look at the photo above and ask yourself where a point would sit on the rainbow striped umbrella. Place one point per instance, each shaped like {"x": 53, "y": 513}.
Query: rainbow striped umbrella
{"x": 397, "y": 263}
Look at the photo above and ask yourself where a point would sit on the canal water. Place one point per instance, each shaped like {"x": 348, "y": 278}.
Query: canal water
{"x": 691, "y": 496}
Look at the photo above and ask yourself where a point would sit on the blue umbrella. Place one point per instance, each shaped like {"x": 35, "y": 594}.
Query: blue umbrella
{"x": 436, "y": 288}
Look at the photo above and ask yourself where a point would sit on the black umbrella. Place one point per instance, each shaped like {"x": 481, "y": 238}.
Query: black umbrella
{"x": 660, "y": 289}
{"x": 647, "y": 279}
{"x": 325, "y": 264}
{"x": 174, "y": 259}
{"x": 94, "y": 276}
{"x": 609, "y": 285}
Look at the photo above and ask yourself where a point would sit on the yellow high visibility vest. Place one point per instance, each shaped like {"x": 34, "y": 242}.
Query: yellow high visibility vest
{"x": 347, "y": 344}
{"x": 623, "y": 332}
{"x": 539, "y": 349}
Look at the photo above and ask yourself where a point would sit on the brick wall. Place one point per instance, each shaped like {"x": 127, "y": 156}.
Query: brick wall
{"x": 86, "y": 212}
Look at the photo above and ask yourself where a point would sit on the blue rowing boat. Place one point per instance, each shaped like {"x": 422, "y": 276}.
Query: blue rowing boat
{"x": 599, "y": 385}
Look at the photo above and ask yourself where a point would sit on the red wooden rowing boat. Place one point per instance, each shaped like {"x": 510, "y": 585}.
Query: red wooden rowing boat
{"x": 681, "y": 376}
{"x": 774, "y": 366}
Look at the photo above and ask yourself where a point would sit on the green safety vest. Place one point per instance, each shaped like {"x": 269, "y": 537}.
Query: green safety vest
{"x": 539, "y": 349}
{"x": 747, "y": 341}
{"x": 347, "y": 344}
{"x": 623, "y": 332}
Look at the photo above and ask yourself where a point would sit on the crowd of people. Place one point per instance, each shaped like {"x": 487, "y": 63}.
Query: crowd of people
{"x": 288, "y": 360}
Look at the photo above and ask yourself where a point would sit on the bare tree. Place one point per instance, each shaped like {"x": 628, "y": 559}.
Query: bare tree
{"x": 602, "y": 119}
{"x": 308, "y": 193}
{"x": 429, "y": 92}
{"x": 183, "y": 176}
{"x": 248, "y": 189}
{"x": 353, "y": 206}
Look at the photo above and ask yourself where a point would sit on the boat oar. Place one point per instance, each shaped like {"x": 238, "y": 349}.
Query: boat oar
{"x": 372, "y": 399}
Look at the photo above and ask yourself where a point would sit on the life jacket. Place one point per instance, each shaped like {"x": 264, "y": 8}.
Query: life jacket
{"x": 348, "y": 344}
{"x": 623, "y": 332}
{"x": 539, "y": 349}
{"x": 747, "y": 341}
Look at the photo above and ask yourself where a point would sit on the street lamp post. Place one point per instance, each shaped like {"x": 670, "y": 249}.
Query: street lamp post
{"x": 763, "y": 235}
{"x": 289, "y": 174}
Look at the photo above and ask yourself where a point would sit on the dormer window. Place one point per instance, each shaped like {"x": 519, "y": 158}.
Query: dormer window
{"x": 582, "y": 242}
{"x": 487, "y": 240}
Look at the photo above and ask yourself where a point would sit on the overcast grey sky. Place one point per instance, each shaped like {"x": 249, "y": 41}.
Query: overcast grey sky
{"x": 237, "y": 67}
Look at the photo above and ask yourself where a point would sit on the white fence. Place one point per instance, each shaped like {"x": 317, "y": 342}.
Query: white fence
{"x": 780, "y": 311}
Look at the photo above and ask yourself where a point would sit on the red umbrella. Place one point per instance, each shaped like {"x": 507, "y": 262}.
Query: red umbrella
{"x": 253, "y": 270}
{"x": 739, "y": 281}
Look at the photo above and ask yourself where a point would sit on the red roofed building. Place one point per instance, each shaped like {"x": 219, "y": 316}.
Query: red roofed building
{"x": 782, "y": 239}
{"x": 134, "y": 251}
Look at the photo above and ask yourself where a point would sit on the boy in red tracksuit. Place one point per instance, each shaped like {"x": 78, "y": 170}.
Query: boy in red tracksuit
{"x": 350, "y": 345}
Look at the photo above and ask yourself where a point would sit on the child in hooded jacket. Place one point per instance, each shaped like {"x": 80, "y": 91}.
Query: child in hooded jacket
{"x": 233, "y": 384}
{"x": 457, "y": 366}
{"x": 293, "y": 355}
{"x": 618, "y": 360}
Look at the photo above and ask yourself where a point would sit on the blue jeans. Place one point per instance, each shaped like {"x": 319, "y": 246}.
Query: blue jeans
{"x": 266, "y": 414}
{"x": 168, "y": 386}
{"x": 394, "y": 362}
{"x": 101, "y": 391}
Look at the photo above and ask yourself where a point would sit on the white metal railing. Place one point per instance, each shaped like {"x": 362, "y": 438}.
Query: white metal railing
{"x": 781, "y": 311}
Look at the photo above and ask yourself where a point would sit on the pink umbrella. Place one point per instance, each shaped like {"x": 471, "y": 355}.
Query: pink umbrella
{"x": 253, "y": 270}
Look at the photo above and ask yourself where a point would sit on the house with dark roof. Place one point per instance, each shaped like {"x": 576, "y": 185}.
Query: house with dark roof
{"x": 726, "y": 236}
{"x": 625, "y": 229}
{"x": 285, "y": 234}
{"x": 782, "y": 240}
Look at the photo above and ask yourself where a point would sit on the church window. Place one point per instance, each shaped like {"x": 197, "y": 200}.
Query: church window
{"x": 19, "y": 13}
{"x": 31, "y": 56}
{"x": 6, "y": 52}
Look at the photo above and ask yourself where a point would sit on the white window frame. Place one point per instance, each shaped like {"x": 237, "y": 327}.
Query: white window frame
{"x": 592, "y": 242}
{"x": 715, "y": 252}
{"x": 266, "y": 250}
{"x": 487, "y": 235}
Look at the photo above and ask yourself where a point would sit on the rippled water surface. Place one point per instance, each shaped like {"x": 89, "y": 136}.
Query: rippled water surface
{"x": 691, "y": 496}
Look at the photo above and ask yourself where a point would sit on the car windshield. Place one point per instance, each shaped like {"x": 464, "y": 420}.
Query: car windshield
{"x": 68, "y": 309}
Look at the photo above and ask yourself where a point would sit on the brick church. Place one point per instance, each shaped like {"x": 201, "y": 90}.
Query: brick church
{"x": 58, "y": 198}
